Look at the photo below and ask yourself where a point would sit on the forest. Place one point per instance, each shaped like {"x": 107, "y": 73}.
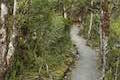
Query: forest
{"x": 60, "y": 40}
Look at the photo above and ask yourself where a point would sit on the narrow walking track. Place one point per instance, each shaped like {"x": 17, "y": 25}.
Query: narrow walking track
{"x": 85, "y": 67}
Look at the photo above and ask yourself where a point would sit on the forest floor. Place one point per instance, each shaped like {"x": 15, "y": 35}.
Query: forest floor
{"x": 85, "y": 68}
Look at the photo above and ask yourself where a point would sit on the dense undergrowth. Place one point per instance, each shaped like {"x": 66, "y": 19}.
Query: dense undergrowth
{"x": 44, "y": 49}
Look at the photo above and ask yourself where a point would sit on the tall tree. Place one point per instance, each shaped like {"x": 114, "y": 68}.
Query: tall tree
{"x": 7, "y": 47}
{"x": 3, "y": 37}
{"x": 104, "y": 33}
{"x": 12, "y": 43}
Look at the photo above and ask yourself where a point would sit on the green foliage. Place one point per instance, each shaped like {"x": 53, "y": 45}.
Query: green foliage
{"x": 114, "y": 52}
{"x": 44, "y": 47}
{"x": 115, "y": 27}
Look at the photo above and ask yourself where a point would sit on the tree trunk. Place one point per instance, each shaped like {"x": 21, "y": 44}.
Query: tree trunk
{"x": 3, "y": 38}
{"x": 91, "y": 22}
{"x": 12, "y": 43}
{"x": 104, "y": 33}
{"x": 6, "y": 49}
{"x": 64, "y": 12}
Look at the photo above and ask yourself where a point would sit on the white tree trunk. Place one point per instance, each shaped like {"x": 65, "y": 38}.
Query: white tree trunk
{"x": 3, "y": 37}
{"x": 11, "y": 46}
{"x": 3, "y": 30}
{"x": 64, "y": 12}
{"x": 6, "y": 49}
{"x": 91, "y": 22}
